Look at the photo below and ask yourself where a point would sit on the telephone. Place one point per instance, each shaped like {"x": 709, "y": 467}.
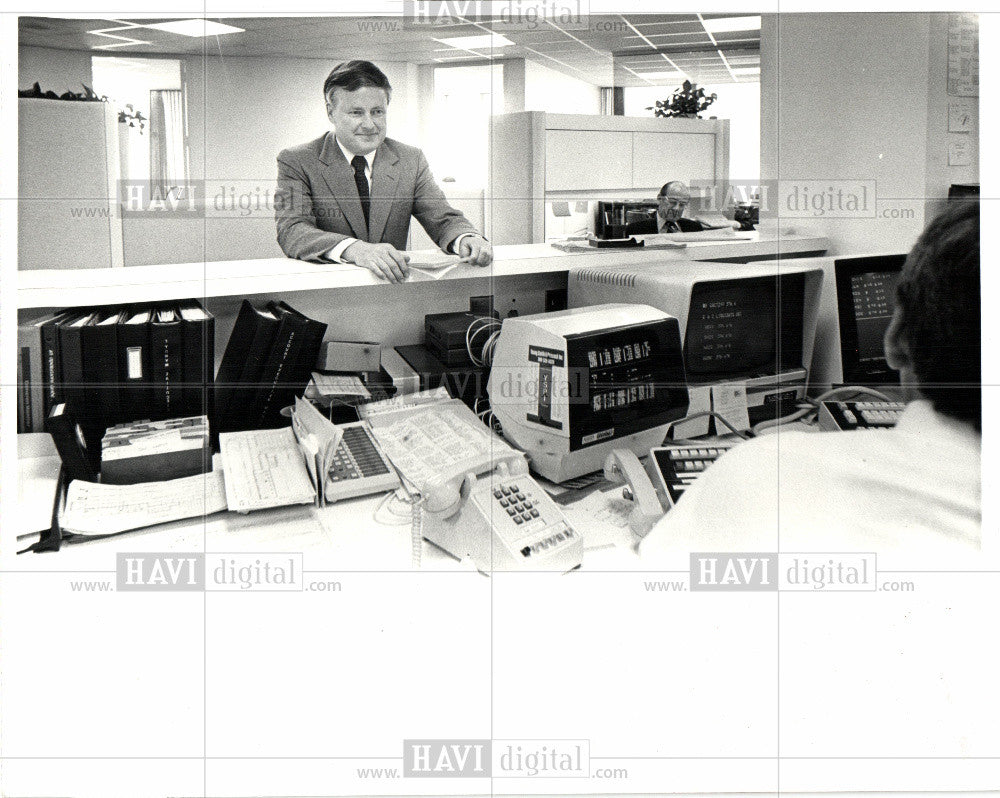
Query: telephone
{"x": 503, "y": 521}
{"x": 670, "y": 470}
{"x": 623, "y": 466}
{"x": 477, "y": 499}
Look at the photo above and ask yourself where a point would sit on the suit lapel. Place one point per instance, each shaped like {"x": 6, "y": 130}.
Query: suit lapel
{"x": 339, "y": 177}
{"x": 385, "y": 171}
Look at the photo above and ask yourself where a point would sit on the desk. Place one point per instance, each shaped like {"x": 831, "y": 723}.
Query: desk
{"x": 343, "y": 537}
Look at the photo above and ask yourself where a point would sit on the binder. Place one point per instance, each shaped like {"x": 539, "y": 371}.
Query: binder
{"x": 51, "y": 364}
{"x": 31, "y": 368}
{"x": 102, "y": 400}
{"x": 67, "y": 435}
{"x": 199, "y": 359}
{"x": 312, "y": 343}
{"x": 277, "y": 376}
{"x": 71, "y": 359}
{"x": 236, "y": 383}
{"x": 134, "y": 364}
{"x": 166, "y": 347}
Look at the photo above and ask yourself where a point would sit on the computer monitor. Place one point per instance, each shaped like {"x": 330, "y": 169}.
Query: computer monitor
{"x": 751, "y": 324}
{"x": 859, "y": 295}
{"x": 568, "y": 387}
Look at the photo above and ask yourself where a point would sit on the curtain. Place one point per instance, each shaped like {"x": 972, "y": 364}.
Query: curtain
{"x": 167, "y": 162}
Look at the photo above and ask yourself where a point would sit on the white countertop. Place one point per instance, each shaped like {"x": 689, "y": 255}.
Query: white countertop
{"x": 45, "y": 288}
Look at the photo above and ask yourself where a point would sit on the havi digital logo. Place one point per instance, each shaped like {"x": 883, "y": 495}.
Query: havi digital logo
{"x": 725, "y": 571}
{"x": 444, "y": 758}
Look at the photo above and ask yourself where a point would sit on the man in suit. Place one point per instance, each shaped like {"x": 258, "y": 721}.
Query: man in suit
{"x": 673, "y": 201}
{"x": 347, "y": 197}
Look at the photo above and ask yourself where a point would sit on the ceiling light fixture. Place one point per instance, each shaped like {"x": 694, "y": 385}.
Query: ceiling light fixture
{"x": 195, "y": 28}
{"x": 484, "y": 42}
{"x": 729, "y": 24}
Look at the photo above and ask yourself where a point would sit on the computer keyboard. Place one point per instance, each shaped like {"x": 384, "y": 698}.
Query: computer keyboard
{"x": 359, "y": 467}
{"x": 846, "y": 416}
{"x": 678, "y": 465}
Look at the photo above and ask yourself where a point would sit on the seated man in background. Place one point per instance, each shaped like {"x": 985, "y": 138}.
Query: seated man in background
{"x": 347, "y": 197}
{"x": 673, "y": 201}
{"x": 914, "y": 488}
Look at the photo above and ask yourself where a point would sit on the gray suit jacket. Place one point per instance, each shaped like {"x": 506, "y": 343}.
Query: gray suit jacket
{"x": 317, "y": 203}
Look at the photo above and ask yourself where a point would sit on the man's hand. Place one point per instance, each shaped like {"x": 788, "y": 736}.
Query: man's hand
{"x": 476, "y": 250}
{"x": 382, "y": 260}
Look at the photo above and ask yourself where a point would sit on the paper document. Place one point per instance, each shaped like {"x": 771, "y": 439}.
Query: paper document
{"x": 663, "y": 240}
{"x": 437, "y": 440}
{"x": 338, "y": 385}
{"x": 431, "y": 396}
{"x": 264, "y": 468}
{"x": 436, "y": 275}
{"x": 721, "y": 234}
{"x": 432, "y": 260}
{"x": 729, "y": 400}
{"x": 96, "y": 509}
{"x": 318, "y": 439}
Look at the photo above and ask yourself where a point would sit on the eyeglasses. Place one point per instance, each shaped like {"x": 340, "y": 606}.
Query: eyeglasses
{"x": 671, "y": 202}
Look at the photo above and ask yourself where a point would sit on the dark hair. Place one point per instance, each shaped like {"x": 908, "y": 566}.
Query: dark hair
{"x": 939, "y": 299}
{"x": 352, "y": 75}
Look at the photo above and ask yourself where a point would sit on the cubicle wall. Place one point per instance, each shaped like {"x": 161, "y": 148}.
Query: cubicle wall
{"x": 541, "y": 159}
{"x": 67, "y": 217}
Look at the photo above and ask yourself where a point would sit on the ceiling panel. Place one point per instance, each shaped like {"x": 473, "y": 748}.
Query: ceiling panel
{"x": 609, "y": 40}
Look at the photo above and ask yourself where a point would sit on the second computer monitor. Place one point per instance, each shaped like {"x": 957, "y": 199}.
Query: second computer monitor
{"x": 750, "y": 324}
{"x": 859, "y": 297}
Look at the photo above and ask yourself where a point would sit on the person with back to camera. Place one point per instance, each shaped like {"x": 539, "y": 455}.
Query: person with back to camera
{"x": 347, "y": 197}
{"x": 914, "y": 488}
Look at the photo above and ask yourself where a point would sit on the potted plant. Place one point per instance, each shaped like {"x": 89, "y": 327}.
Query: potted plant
{"x": 687, "y": 101}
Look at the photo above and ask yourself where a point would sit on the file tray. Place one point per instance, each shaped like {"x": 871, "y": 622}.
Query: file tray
{"x": 154, "y": 451}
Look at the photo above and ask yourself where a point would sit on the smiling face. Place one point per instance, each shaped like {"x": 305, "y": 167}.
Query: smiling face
{"x": 359, "y": 118}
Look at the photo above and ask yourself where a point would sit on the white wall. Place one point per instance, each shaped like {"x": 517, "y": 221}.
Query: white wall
{"x": 857, "y": 97}
{"x": 737, "y": 102}
{"x": 55, "y": 70}
{"x": 557, "y": 93}
{"x": 939, "y": 174}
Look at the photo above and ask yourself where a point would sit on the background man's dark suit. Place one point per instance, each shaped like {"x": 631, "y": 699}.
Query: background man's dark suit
{"x": 317, "y": 204}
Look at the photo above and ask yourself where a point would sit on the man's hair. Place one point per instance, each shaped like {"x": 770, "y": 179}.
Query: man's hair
{"x": 352, "y": 75}
{"x": 667, "y": 185}
{"x": 938, "y": 296}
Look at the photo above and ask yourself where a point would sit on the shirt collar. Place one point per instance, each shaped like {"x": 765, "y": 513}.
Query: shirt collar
{"x": 348, "y": 155}
{"x": 920, "y": 418}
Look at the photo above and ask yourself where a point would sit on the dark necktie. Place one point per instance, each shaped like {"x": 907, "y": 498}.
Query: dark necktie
{"x": 358, "y": 162}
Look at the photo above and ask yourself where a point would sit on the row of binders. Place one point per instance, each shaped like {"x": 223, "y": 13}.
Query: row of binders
{"x": 268, "y": 361}
{"x": 116, "y": 364}
{"x": 121, "y": 364}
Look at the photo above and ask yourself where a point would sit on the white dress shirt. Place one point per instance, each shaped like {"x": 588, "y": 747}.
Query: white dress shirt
{"x": 336, "y": 254}
{"x": 913, "y": 490}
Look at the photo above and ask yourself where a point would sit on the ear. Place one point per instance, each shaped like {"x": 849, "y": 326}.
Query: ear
{"x": 897, "y": 353}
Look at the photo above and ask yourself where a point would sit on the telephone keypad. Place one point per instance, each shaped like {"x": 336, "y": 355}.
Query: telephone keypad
{"x": 527, "y": 514}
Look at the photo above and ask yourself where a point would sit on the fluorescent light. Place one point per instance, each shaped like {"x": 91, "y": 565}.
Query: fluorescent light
{"x": 747, "y": 71}
{"x": 728, "y": 24}
{"x": 196, "y": 28}
{"x": 662, "y": 76}
{"x": 486, "y": 41}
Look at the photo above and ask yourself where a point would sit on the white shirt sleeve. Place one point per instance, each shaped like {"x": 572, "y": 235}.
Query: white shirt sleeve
{"x": 336, "y": 254}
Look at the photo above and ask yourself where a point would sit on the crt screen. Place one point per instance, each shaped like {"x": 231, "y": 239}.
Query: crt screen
{"x": 733, "y": 326}
{"x": 874, "y": 298}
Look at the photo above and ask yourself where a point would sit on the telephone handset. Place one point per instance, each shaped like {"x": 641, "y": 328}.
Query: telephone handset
{"x": 502, "y": 521}
{"x": 623, "y": 466}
